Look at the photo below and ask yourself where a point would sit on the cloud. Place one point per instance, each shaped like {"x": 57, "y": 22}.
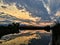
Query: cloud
{"x": 47, "y": 6}
{"x": 21, "y": 14}
{"x": 30, "y": 11}
{"x": 57, "y": 13}
{"x": 12, "y": 10}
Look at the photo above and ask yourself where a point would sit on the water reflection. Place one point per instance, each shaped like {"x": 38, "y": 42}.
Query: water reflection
{"x": 43, "y": 37}
{"x": 28, "y": 37}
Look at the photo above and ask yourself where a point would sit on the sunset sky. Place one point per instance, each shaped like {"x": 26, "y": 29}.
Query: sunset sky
{"x": 30, "y": 11}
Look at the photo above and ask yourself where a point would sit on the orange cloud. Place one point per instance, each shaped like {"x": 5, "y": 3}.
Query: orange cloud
{"x": 57, "y": 13}
{"x": 12, "y": 10}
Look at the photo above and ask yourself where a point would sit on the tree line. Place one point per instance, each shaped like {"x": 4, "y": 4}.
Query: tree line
{"x": 14, "y": 28}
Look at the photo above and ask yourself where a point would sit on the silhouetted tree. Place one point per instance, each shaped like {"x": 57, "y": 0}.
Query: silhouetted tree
{"x": 55, "y": 33}
{"x": 47, "y": 28}
{"x": 10, "y": 29}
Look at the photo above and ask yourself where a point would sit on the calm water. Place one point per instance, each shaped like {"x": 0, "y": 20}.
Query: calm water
{"x": 44, "y": 38}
